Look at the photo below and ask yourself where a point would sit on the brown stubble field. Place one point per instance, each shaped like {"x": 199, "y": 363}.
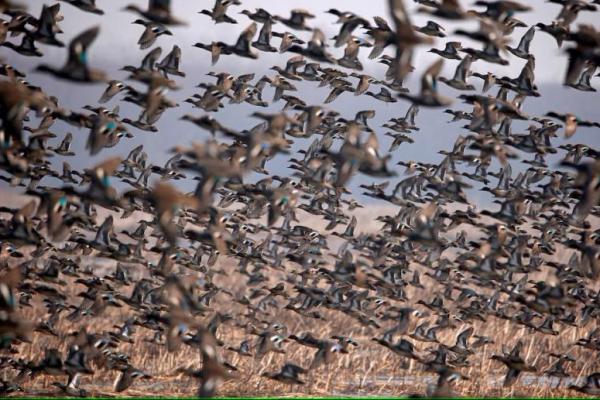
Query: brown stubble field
{"x": 369, "y": 369}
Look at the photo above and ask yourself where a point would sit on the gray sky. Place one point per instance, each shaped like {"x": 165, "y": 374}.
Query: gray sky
{"x": 116, "y": 47}
{"x": 118, "y": 34}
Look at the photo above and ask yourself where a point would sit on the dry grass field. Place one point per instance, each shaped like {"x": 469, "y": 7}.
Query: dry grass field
{"x": 369, "y": 369}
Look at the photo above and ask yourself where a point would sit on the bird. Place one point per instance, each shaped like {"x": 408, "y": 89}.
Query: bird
{"x": 219, "y": 11}
{"x": 591, "y": 386}
{"x": 151, "y": 32}
{"x": 450, "y": 51}
{"x": 157, "y": 11}
{"x": 459, "y": 81}
{"x": 431, "y": 29}
{"x": 114, "y": 87}
{"x": 26, "y": 48}
{"x": 515, "y": 364}
{"x": 297, "y": 19}
{"x": 289, "y": 374}
{"x": 264, "y": 38}
{"x": 126, "y": 378}
{"x": 522, "y": 50}
{"x": 584, "y": 83}
{"x": 429, "y": 96}
{"x": 76, "y": 68}
{"x": 86, "y": 5}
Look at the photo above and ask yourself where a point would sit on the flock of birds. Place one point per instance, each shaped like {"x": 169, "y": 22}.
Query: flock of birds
{"x": 161, "y": 272}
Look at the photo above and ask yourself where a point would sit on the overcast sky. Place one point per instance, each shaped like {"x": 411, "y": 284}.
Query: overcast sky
{"x": 116, "y": 47}
{"x": 118, "y": 34}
